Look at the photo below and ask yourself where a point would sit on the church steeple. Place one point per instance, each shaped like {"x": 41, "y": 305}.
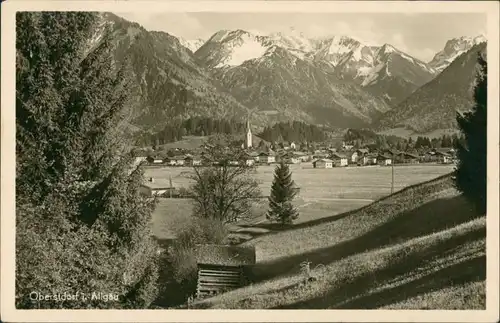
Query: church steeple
{"x": 248, "y": 140}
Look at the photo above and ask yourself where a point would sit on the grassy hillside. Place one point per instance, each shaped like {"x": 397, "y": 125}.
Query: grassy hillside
{"x": 420, "y": 248}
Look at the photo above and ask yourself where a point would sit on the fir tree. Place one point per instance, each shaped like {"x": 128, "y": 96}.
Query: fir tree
{"x": 283, "y": 191}
{"x": 471, "y": 169}
{"x": 82, "y": 224}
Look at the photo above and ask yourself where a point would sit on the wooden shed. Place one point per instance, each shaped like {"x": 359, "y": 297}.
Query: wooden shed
{"x": 222, "y": 268}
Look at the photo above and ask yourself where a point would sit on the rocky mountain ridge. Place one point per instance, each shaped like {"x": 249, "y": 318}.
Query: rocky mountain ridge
{"x": 434, "y": 105}
{"x": 454, "y": 48}
{"x": 382, "y": 70}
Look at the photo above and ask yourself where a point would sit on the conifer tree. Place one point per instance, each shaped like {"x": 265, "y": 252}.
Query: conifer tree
{"x": 283, "y": 191}
{"x": 82, "y": 225}
{"x": 471, "y": 169}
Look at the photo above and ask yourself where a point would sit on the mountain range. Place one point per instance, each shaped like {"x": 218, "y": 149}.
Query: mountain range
{"x": 434, "y": 105}
{"x": 382, "y": 71}
{"x": 334, "y": 81}
{"x": 454, "y": 48}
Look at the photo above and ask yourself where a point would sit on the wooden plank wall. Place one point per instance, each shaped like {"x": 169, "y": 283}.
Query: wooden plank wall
{"x": 213, "y": 280}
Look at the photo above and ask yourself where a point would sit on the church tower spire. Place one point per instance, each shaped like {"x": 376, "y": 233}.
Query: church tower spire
{"x": 248, "y": 140}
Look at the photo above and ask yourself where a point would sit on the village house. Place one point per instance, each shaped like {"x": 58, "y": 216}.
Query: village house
{"x": 339, "y": 160}
{"x": 323, "y": 163}
{"x": 158, "y": 187}
{"x": 253, "y": 155}
{"x": 291, "y": 159}
{"x": 443, "y": 158}
{"x": 154, "y": 160}
{"x": 358, "y": 155}
{"x": 427, "y": 157}
{"x": 267, "y": 157}
{"x": 169, "y": 161}
{"x": 346, "y": 146}
{"x": 320, "y": 153}
{"x": 370, "y": 159}
{"x": 176, "y": 160}
{"x": 180, "y": 160}
{"x": 384, "y": 160}
{"x": 304, "y": 157}
{"x": 285, "y": 145}
{"x": 192, "y": 161}
{"x": 408, "y": 158}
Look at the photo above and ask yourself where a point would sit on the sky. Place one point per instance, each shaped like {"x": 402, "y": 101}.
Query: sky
{"x": 421, "y": 35}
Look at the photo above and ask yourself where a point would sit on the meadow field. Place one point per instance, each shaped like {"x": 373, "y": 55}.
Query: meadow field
{"x": 323, "y": 193}
{"x": 369, "y": 183}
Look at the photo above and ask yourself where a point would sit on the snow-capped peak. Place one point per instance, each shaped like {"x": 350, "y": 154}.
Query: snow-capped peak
{"x": 387, "y": 49}
{"x": 454, "y": 48}
{"x": 191, "y": 44}
{"x": 291, "y": 39}
{"x": 479, "y": 39}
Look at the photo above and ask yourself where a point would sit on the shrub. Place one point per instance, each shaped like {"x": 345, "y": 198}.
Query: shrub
{"x": 179, "y": 275}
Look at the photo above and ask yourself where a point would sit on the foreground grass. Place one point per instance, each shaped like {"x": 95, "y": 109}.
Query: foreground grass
{"x": 420, "y": 248}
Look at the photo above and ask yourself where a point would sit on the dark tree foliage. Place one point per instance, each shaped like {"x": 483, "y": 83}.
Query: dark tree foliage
{"x": 471, "y": 169}
{"x": 283, "y": 191}
{"x": 81, "y": 223}
{"x": 295, "y": 131}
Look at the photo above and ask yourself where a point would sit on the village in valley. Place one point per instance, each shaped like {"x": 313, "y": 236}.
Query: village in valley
{"x": 260, "y": 153}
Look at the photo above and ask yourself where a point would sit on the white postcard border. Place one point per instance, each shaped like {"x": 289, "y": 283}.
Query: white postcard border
{"x": 9, "y": 313}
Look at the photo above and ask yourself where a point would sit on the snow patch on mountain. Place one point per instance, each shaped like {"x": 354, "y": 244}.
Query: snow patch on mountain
{"x": 191, "y": 44}
{"x": 372, "y": 75}
{"x": 244, "y": 49}
{"x": 407, "y": 57}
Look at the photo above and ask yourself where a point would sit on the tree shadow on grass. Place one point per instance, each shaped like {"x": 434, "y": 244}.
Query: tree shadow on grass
{"x": 431, "y": 217}
{"x": 352, "y": 294}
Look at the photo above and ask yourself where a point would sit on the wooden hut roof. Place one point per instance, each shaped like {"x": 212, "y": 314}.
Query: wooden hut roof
{"x": 225, "y": 255}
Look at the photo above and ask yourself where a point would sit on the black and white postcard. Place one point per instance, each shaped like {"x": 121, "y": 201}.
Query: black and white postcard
{"x": 165, "y": 158}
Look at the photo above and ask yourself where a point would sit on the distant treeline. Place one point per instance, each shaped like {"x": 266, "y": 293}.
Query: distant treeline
{"x": 194, "y": 126}
{"x": 366, "y": 138}
{"x": 361, "y": 138}
{"x": 295, "y": 131}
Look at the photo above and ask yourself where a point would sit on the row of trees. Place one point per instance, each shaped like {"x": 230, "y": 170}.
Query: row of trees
{"x": 366, "y": 138}
{"x": 295, "y": 131}
{"x": 194, "y": 126}
{"x": 444, "y": 141}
